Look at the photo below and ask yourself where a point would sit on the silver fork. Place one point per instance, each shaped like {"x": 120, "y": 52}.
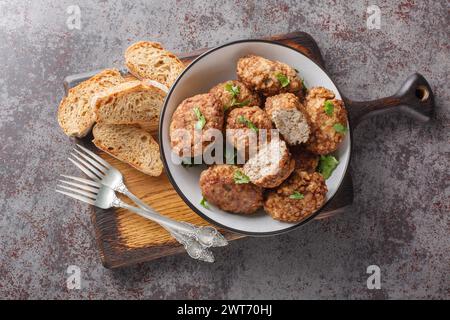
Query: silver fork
{"x": 101, "y": 171}
{"x": 103, "y": 197}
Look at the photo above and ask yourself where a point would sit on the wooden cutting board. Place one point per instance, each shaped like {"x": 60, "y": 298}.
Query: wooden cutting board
{"x": 125, "y": 238}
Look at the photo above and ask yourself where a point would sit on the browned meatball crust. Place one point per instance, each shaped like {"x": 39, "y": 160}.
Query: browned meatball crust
{"x": 185, "y": 118}
{"x": 263, "y": 75}
{"x": 324, "y": 137}
{"x": 297, "y": 198}
{"x": 233, "y": 94}
{"x": 240, "y": 131}
{"x": 289, "y": 117}
{"x": 304, "y": 159}
{"x": 219, "y": 188}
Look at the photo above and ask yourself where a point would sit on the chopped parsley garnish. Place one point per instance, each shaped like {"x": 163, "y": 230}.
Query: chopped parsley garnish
{"x": 240, "y": 177}
{"x": 283, "y": 80}
{"x": 204, "y": 203}
{"x": 304, "y": 88}
{"x": 235, "y": 91}
{"x": 327, "y": 164}
{"x": 329, "y": 107}
{"x": 248, "y": 123}
{"x": 296, "y": 196}
{"x": 340, "y": 128}
{"x": 201, "y": 119}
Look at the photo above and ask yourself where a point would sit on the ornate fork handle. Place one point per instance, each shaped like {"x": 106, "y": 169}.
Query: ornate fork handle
{"x": 208, "y": 236}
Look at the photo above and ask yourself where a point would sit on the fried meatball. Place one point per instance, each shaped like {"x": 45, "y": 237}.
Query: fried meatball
{"x": 235, "y": 94}
{"x": 187, "y": 119}
{"x": 244, "y": 123}
{"x": 220, "y": 189}
{"x": 268, "y": 77}
{"x": 288, "y": 115}
{"x": 304, "y": 159}
{"x": 328, "y": 120}
{"x": 271, "y": 165}
{"x": 297, "y": 198}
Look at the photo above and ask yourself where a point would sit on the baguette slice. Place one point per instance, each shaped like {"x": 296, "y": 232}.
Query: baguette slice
{"x": 75, "y": 114}
{"x": 130, "y": 102}
{"x": 129, "y": 144}
{"x": 149, "y": 60}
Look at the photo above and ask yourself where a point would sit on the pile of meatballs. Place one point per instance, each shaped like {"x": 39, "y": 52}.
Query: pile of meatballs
{"x": 267, "y": 95}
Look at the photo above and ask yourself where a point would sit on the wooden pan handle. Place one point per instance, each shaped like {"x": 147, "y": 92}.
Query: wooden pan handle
{"x": 414, "y": 98}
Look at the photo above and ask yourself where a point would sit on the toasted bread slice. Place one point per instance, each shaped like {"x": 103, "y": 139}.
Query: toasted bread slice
{"x": 130, "y": 144}
{"x": 130, "y": 102}
{"x": 149, "y": 60}
{"x": 75, "y": 114}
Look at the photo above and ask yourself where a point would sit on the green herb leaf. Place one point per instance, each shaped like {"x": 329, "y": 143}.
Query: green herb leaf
{"x": 234, "y": 90}
{"x": 204, "y": 203}
{"x": 241, "y": 104}
{"x": 340, "y": 128}
{"x": 329, "y": 107}
{"x": 240, "y": 177}
{"x": 283, "y": 80}
{"x": 304, "y": 88}
{"x": 201, "y": 119}
{"x": 248, "y": 123}
{"x": 296, "y": 196}
{"x": 327, "y": 164}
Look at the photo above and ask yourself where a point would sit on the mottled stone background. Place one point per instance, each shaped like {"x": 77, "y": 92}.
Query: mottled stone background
{"x": 400, "y": 216}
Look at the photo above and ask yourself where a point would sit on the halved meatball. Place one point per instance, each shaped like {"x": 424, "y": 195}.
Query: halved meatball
{"x": 328, "y": 120}
{"x": 219, "y": 187}
{"x": 244, "y": 128}
{"x": 288, "y": 115}
{"x": 190, "y": 122}
{"x": 297, "y": 198}
{"x": 233, "y": 94}
{"x": 271, "y": 165}
{"x": 268, "y": 77}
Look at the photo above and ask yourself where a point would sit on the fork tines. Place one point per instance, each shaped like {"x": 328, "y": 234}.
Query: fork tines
{"x": 86, "y": 191}
{"x": 90, "y": 163}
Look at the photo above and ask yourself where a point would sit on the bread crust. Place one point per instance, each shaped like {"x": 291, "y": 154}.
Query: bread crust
{"x": 121, "y": 91}
{"x": 75, "y": 114}
{"x": 114, "y": 151}
{"x": 159, "y": 65}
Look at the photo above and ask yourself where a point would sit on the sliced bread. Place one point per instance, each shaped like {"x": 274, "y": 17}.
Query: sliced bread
{"x": 130, "y": 102}
{"x": 130, "y": 144}
{"x": 149, "y": 60}
{"x": 75, "y": 114}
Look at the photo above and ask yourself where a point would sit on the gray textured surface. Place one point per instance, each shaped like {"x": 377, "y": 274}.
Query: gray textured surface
{"x": 400, "y": 217}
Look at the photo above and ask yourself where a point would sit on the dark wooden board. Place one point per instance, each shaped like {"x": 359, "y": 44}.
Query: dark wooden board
{"x": 125, "y": 238}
